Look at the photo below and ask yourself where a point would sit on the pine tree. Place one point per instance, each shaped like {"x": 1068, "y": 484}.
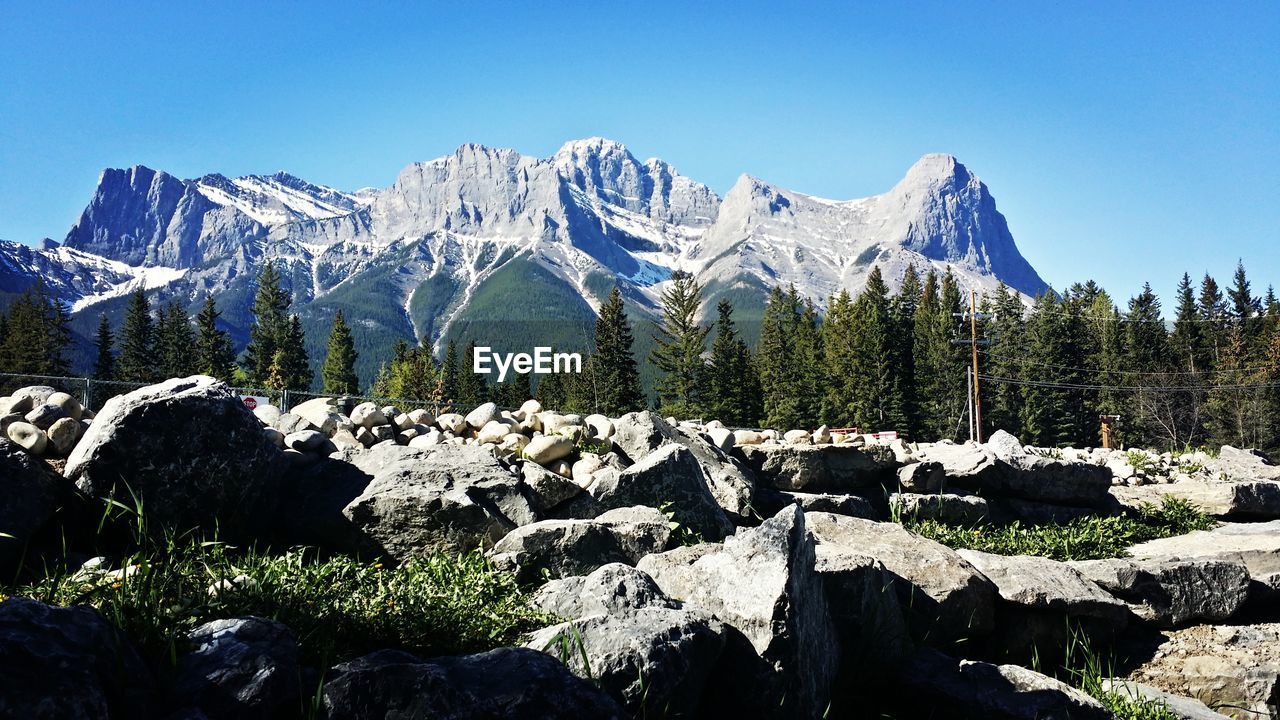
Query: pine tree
{"x": 174, "y": 341}
{"x": 729, "y": 374}
{"x": 339, "y": 369}
{"x": 472, "y": 387}
{"x": 841, "y": 406}
{"x": 551, "y": 391}
{"x": 678, "y": 346}
{"x": 1213, "y": 320}
{"x": 37, "y": 334}
{"x": 1237, "y": 404}
{"x": 877, "y": 400}
{"x": 1245, "y": 308}
{"x": 270, "y": 325}
{"x": 138, "y": 361}
{"x": 1002, "y": 401}
{"x": 214, "y": 354}
{"x": 950, "y": 393}
{"x": 903, "y": 317}
{"x": 1147, "y": 351}
{"x": 449, "y": 372}
{"x": 1190, "y": 357}
{"x": 790, "y": 360}
{"x": 295, "y": 367}
{"x": 104, "y": 365}
{"x": 615, "y": 374}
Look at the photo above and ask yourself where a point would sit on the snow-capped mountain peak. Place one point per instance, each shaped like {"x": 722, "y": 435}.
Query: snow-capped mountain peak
{"x": 490, "y": 232}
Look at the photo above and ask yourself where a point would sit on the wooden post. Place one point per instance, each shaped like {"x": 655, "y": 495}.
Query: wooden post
{"x": 1106, "y": 431}
{"x": 973, "y": 337}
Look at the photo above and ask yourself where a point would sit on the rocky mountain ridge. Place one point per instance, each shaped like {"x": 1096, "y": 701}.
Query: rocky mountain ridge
{"x": 447, "y": 249}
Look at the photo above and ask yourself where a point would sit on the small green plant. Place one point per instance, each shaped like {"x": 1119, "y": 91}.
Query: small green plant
{"x": 1085, "y": 669}
{"x": 1086, "y": 538}
{"x": 1050, "y": 453}
{"x": 597, "y": 447}
{"x": 679, "y": 532}
{"x": 571, "y": 648}
{"x": 338, "y": 607}
{"x": 1141, "y": 462}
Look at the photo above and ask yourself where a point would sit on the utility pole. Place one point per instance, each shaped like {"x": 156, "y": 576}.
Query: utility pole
{"x": 968, "y": 388}
{"x": 973, "y": 337}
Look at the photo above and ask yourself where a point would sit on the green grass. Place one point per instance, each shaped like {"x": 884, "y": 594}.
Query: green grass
{"x": 1086, "y": 670}
{"x": 1088, "y": 538}
{"x": 337, "y": 607}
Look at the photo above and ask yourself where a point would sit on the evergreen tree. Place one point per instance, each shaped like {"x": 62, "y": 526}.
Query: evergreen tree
{"x": 951, "y": 395}
{"x": 841, "y": 406}
{"x": 1002, "y": 401}
{"x": 174, "y": 341}
{"x": 37, "y": 334}
{"x": 730, "y": 392}
{"x": 270, "y": 326}
{"x": 138, "y": 361}
{"x": 449, "y": 372}
{"x": 1245, "y": 308}
{"x": 295, "y": 367}
{"x": 903, "y": 318}
{"x": 104, "y": 366}
{"x": 1190, "y": 357}
{"x": 472, "y": 387}
{"x": 615, "y": 374}
{"x": 790, "y": 361}
{"x": 1108, "y": 357}
{"x": 1147, "y": 354}
{"x": 551, "y": 391}
{"x": 214, "y": 354}
{"x": 1237, "y": 404}
{"x": 1213, "y": 320}
{"x": 678, "y": 346}
{"x": 339, "y": 370}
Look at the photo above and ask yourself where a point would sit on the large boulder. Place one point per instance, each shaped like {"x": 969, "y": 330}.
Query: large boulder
{"x": 502, "y": 684}
{"x": 1003, "y": 470}
{"x": 563, "y": 548}
{"x": 937, "y": 686}
{"x": 770, "y": 501}
{"x": 945, "y": 598}
{"x": 639, "y": 434}
{"x": 1234, "y": 668}
{"x": 825, "y": 468}
{"x": 1242, "y": 464}
{"x": 67, "y": 663}
{"x": 943, "y": 507}
{"x": 669, "y": 478}
{"x": 1257, "y": 545}
{"x": 1182, "y": 708}
{"x": 1239, "y": 499}
{"x": 1170, "y": 591}
{"x": 868, "y": 617}
{"x": 1043, "y": 602}
{"x": 239, "y": 668}
{"x": 445, "y": 497}
{"x": 189, "y": 451}
{"x": 762, "y": 582}
{"x": 654, "y": 660}
{"x": 29, "y": 495}
{"x": 612, "y": 588}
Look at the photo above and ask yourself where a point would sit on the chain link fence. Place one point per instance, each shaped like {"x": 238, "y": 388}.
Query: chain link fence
{"x": 94, "y": 393}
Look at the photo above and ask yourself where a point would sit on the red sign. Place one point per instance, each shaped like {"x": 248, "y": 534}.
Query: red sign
{"x": 251, "y": 403}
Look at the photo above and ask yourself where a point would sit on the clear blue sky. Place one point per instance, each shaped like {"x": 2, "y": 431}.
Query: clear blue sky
{"x": 1123, "y": 141}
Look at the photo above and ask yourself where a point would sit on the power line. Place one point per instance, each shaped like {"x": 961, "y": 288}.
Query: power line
{"x": 1140, "y": 373}
{"x": 1154, "y": 388}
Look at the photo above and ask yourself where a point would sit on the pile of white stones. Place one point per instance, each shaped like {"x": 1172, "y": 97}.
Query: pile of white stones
{"x": 43, "y": 421}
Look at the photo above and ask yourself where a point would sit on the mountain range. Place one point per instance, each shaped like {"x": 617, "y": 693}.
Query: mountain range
{"x": 505, "y": 248}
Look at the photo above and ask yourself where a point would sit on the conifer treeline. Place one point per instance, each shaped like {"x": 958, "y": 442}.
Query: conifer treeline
{"x": 877, "y": 360}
